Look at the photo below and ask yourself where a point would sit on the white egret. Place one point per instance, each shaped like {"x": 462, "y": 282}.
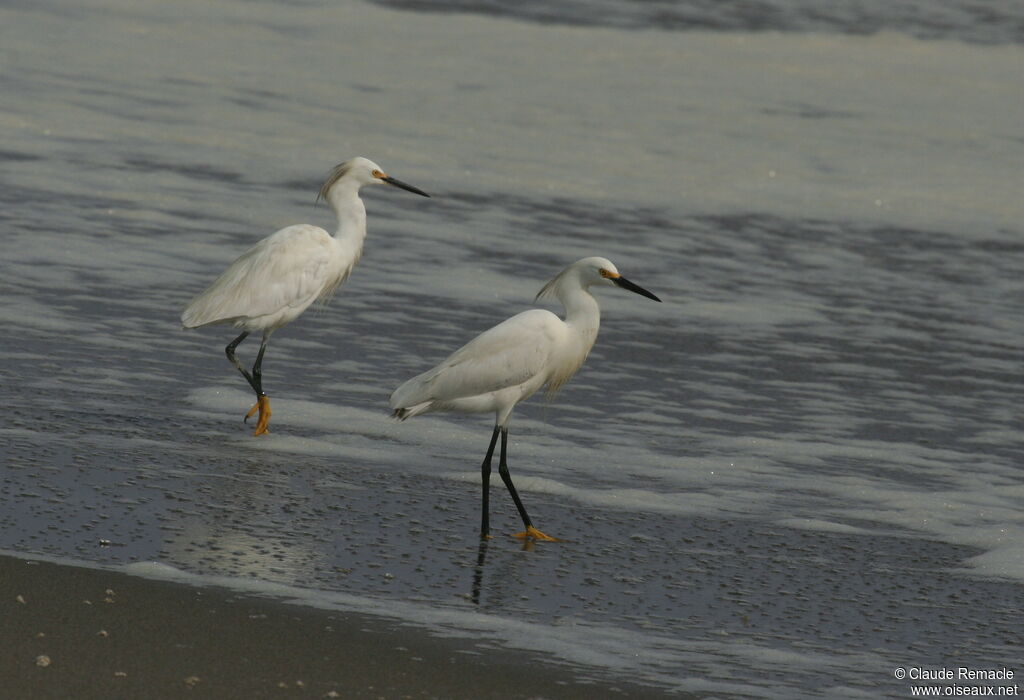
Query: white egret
{"x": 273, "y": 282}
{"x": 510, "y": 362}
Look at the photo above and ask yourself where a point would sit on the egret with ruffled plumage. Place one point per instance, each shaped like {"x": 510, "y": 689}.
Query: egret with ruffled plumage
{"x": 277, "y": 279}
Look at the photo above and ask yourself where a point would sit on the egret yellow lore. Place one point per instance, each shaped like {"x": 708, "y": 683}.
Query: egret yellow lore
{"x": 512, "y": 361}
{"x": 277, "y": 279}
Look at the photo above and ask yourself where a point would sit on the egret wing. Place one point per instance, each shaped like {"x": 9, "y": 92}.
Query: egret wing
{"x": 290, "y": 268}
{"x": 508, "y": 354}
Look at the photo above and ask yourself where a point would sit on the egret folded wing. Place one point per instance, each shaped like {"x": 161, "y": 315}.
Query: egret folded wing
{"x": 509, "y": 354}
{"x": 278, "y": 277}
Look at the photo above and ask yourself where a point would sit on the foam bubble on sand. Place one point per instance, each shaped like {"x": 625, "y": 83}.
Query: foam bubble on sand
{"x": 160, "y": 572}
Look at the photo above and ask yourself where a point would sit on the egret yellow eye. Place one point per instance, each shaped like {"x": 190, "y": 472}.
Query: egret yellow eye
{"x": 608, "y": 274}
{"x": 378, "y": 174}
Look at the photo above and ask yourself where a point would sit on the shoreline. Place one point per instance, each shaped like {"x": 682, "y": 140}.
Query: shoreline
{"x": 75, "y": 631}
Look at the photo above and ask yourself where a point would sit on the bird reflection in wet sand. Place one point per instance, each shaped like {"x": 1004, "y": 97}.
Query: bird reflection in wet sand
{"x": 481, "y": 560}
{"x": 277, "y": 279}
{"x": 512, "y": 361}
{"x": 478, "y": 571}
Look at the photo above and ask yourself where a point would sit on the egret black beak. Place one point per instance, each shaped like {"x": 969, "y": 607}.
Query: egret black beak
{"x": 626, "y": 284}
{"x": 404, "y": 185}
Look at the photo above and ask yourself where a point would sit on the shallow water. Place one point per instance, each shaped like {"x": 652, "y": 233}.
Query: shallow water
{"x": 801, "y": 470}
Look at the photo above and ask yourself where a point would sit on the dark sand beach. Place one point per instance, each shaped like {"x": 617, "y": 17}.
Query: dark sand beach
{"x": 72, "y": 632}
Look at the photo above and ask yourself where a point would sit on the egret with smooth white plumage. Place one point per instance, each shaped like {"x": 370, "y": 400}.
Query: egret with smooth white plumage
{"x": 512, "y": 361}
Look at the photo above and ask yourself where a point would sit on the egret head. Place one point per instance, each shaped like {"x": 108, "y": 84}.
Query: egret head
{"x": 603, "y": 271}
{"x": 361, "y": 171}
{"x": 590, "y": 271}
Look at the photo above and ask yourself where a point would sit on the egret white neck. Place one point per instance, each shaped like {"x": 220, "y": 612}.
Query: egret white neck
{"x": 350, "y": 210}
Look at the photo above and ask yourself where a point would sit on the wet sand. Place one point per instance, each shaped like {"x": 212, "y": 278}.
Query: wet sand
{"x": 93, "y": 633}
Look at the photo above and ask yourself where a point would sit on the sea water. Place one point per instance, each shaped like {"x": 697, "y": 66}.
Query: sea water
{"x": 799, "y": 472}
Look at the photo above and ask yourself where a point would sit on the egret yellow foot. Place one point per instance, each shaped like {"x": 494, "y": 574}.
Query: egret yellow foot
{"x": 535, "y": 534}
{"x": 263, "y": 406}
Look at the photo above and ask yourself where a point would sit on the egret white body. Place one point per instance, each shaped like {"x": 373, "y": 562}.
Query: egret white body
{"x": 512, "y": 361}
{"x": 277, "y": 279}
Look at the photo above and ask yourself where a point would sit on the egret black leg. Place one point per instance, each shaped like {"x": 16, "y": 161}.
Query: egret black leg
{"x": 507, "y": 478}
{"x": 485, "y": 478}
{"x": 262, "y": 401}
{"x": 257, "y": 368}
{"x": 255, "y": 379}
{"x": 230, "y": 352}
{"x": 531, "y": 531}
